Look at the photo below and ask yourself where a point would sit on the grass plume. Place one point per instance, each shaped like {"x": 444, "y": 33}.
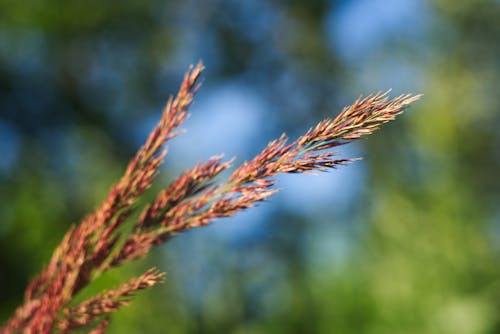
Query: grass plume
{"x": 194, "y": 199}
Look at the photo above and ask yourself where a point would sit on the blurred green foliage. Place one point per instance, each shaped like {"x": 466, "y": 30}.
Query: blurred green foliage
{"x": 423, "y": 236}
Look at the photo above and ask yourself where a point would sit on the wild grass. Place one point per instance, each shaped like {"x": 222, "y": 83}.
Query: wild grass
{"x": 194, "y": 199}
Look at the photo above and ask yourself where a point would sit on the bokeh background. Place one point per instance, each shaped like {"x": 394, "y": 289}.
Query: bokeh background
{"x": 405, "y": 241}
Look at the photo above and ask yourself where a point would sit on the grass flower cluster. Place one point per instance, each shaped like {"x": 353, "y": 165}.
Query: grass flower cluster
{"x": 194, "y": 199}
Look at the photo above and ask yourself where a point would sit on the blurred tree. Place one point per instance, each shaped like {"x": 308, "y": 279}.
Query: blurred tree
{"x": 423, "y": 255}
